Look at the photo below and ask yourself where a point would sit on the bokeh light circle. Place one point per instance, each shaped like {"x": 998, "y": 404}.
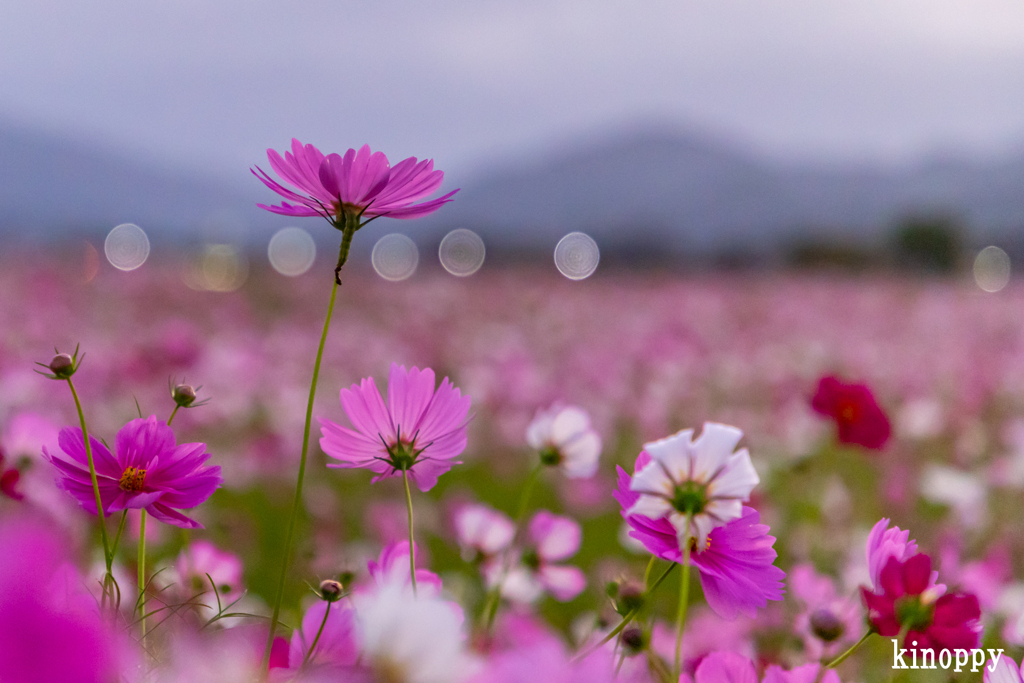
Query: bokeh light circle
{"x": 395, "y": 257}
{"x": 291, "y": 251}
{"x": 992, "y": 269}
{"x": 462, "y": 252}
{"x": 577, "y": 256}
{"x": 126, "y": 246}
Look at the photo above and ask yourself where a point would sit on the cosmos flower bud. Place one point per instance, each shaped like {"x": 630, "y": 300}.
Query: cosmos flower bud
{"x": 184, "y": 395}
{"x": 826, "y": 625}
{"x": 62, "y": 366}
{"x": 631, "y": 596}
{"x": 634, "y": 640}
{"x": 331, "y": 590}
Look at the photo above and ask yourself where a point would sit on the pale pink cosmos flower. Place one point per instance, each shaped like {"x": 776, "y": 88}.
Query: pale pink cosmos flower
{"x": 1004, "y": 671}
{"x": 392, "y": 567}
{"x": 564, "y": 437}
{"x": 885, "y": 544}
{"x": 551, "y": 539}
{"x": 149, "y": 471}
{"x": 201, "y": 563}
{"x": 359, "y": 183}
{"x": 419, "y": 430}
{"x": 697, "y": 485}
{"x": 482, "y": 531}
{"x": 827, "y": 621}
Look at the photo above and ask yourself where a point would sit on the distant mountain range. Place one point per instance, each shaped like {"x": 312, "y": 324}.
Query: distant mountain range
{"x": 647, "y": 190}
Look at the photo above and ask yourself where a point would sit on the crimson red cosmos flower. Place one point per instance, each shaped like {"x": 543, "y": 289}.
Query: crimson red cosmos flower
{"x": 859, "y": 417}
{"x": 8, "y": 481}
{"x": 906, "y": 601}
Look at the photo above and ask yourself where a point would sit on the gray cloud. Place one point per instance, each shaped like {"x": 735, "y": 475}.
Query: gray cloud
{"x": 211, "y": 84}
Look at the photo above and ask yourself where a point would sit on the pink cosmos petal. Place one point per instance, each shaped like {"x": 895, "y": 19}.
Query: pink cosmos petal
{"x": 426, "y": 472}
{"x": 286, "y": 209}
{"x": 71, "y": 442}
{"x": 737, "y": 570}
{"x": 808, "y": 673}
{"x": 367, "y": 411}
{"x": 48, "y": 632}
{"x": 555, "y": 538}
{"x": 725, "y": 667}
{"x": 169, "y": 515}
{"x": 563, "y": 582}
{"x": 409, "y": 394}
{"x": 337, "y": 645}
{"x": 1006, "y": 671}
{"x": 393, "y": 567}
{"x": 415, "y": 210}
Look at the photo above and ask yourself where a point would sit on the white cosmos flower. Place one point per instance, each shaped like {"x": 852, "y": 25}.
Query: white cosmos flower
{"x": 565, "y": 438}
{"x": 697, "y": 485}
{"x": 409, "y": 640}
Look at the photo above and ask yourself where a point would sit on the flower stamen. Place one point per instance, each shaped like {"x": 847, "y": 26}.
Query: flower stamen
{"x": 133, "y": 479}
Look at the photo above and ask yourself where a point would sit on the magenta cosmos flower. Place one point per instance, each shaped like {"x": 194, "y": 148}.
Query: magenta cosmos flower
{"x": 148, "y": 472}
{"x": 358, "y": 183}
{"x": 859, "y": 418}
{"x": 906, "y": 599}
{"x": 419, "y": 430}
{"x": 735, "y": 561}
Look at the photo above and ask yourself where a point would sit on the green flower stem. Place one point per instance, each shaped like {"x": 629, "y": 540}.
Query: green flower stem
{"x": 173, "y": 413}
{"x": 684, "y": 601}
{"x": 302, "y": 473}
{"x": 627, "y": 618}
{"x": 853, "y": 648}
{"x": 142, "y": 573}
{"x": 412, "y": 552}
{"x": 319, "y": 632}
{"x": 120, "y": 530}
{"x": 108, "y": 556}
{"x": 528, "y": 487}
{"x": 650, "y": 568}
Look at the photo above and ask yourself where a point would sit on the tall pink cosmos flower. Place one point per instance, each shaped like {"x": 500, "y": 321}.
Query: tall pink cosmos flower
{"x": 149, "y": 472}
{"x": 359, "y": 183}
{"x": 736, "y": 560}
{"x": 419, "y": 430}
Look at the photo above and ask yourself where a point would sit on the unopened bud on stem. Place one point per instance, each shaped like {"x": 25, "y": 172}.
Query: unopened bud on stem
{"x": 62, "y": 366}
{"x": 184, "y": 395}
{"x": 331, "y": 590}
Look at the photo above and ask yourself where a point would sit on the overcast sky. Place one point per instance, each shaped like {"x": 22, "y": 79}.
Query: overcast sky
{"x": 212, "y": 83}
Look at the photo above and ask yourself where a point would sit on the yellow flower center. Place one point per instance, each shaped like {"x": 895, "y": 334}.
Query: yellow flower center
{"x": 133, "y": 479}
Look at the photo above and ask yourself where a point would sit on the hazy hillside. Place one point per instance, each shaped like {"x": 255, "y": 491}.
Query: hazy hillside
{"x": 648, "y": 191}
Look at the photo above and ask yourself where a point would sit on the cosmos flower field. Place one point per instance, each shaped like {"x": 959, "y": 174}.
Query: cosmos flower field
{"x": 511, "y": 476}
